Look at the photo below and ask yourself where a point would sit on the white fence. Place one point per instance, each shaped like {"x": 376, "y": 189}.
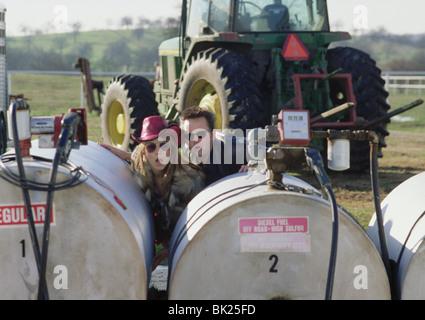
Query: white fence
{"x": 404, "y": 81}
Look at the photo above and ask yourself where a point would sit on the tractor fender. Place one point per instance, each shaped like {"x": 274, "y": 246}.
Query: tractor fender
{"x": 232, "y": 41}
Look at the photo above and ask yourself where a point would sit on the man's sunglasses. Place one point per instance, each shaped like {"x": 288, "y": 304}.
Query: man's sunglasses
{"x": 199, "y": 135}
{"x": 151, "y": 147}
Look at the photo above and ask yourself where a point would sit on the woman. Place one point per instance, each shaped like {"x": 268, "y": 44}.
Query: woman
{"x": 168, "y": 186}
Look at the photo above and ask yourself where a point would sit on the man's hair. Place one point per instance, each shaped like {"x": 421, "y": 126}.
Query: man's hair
{"x": 198, "y": 112}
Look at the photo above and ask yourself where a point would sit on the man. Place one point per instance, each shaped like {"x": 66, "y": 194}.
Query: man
{"x": 277, "y": 15}
{"x": 197, "y": 124}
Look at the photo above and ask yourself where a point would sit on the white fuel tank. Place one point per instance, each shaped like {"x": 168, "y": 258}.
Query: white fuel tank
{"x": 241, "y": 239}
{"x": 98, "y": 249}
{"x": 403, "y": 213}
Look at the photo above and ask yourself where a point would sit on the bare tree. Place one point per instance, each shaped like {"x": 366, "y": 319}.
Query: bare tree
{"x": 27, "y": 32}
{"x": 127, "y": 22}
{"x": 172, "y": 23}
{"x": 143, "y": 23}
{"x": 76, "y": 27}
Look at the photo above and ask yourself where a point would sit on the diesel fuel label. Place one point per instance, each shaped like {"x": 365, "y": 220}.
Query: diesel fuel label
{"x": 283, "y": 234}
{"x": 273, "y": 225}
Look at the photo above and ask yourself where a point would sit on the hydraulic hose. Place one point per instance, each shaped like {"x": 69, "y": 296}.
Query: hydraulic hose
{"x": 69, "y": 123}
{"x": 377, "y": 202}
{"x": 315, "y": 162}
{"x": 334, "y": 243}
{"x": 397, "y": 294}
{"x": 65, "y": 143}
{"x": 46, "y": 230}
{"x": 25, "y": 192}
{"x": 372, "y": 137}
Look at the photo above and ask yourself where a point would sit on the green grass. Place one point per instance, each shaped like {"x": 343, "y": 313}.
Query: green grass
{"x": 397, "y": 100}
{"x": 50, "y": 95}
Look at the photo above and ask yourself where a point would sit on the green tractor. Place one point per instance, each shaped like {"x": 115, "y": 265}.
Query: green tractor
{"x": 247, "y": 60}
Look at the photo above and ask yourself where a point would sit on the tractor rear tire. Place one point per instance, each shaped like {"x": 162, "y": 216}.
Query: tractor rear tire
{"x": 371, "y": 98}
{"x": 223, "y": 80}
{"x": 127, "y": 101}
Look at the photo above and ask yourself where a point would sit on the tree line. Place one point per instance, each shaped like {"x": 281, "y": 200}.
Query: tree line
{"x": 138, "y": 49}
{"x": 393, "y": 52}
{"x": 30, "y": 52}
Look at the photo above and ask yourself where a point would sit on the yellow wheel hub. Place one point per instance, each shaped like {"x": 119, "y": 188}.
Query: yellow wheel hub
{"x": 204, "y": 95}
{"x": 121, "y": 124}
{"x": 116, "y": 123}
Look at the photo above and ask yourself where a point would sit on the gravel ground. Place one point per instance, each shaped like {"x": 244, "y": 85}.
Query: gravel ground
{"x": 158, "y": 283}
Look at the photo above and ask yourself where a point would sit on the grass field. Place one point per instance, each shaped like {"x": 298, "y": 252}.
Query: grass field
{"x": 50, "y": 95}
{"x": 403, "y": 157}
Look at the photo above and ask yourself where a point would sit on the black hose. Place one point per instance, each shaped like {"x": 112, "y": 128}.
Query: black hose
{"x": 334, "y": 243}
{"x": 8, "y": 175}
{"x": 377, "y": 202}
{"x": 397, "y": 295}
{"x": 46, "y": 230}
{"x": 315, "y": 162}
{"x": 61, "y": 155}
{"x": 25, "y": 193}
{"x": 62, "y": 149}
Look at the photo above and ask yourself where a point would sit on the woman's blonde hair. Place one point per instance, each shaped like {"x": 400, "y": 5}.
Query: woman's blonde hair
{"x": 164, "y": 189}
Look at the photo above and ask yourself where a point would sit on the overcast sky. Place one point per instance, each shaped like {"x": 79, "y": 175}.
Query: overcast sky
{"x": 395, "y": 16}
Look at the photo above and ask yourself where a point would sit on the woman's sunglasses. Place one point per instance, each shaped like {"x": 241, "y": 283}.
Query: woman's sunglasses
{"x": 151, "y": 147}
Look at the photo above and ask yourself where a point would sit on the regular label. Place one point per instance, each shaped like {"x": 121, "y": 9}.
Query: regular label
{"x": 283, "y": 234}
{"x": 15, "y": 215}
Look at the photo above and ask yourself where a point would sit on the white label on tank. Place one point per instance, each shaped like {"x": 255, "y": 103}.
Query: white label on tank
{"x": 276, "y": 234}
{"x": 15, "y": 215}
{"x": 291, "y": 242}
{"x": 273, "y": 225}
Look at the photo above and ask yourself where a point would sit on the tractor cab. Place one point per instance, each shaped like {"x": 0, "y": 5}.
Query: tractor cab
{"x": 210, "y": 16}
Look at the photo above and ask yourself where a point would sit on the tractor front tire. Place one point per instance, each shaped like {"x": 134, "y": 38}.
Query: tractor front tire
{"x": 223, "y": 81}
{"x": 127, "y": 101}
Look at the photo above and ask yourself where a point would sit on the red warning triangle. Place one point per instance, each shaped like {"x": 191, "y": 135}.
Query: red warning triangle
{"x": 294, "y": 49}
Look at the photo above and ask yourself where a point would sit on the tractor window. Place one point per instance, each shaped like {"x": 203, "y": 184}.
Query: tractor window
{"x": 198, "y": 17}
{"x": 207, "y": 15}
{"x": 220, "y": 15}
{"x": 282, "y": 15}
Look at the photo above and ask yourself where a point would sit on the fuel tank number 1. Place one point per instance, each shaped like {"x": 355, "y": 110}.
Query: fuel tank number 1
{"x": 23, "y": 247}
